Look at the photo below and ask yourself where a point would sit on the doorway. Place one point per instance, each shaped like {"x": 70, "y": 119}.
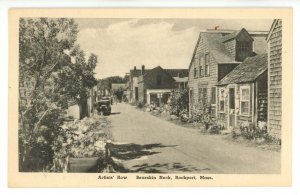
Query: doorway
{"x": 231, "y": 114}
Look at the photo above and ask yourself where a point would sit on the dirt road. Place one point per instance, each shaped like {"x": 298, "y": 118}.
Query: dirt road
{"x": 159, "y": 146}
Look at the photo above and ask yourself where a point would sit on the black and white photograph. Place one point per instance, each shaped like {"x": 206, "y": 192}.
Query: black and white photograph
{"x": 160, "y": 98}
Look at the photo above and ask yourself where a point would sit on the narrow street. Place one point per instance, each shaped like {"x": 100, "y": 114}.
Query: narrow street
{"x": 168, "y": 148}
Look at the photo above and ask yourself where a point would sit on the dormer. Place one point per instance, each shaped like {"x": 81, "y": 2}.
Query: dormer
{"x": 239, "y": 44}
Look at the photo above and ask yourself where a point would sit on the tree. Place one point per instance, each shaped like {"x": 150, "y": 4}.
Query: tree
{"x": 44, "y": 60}
{"x": 77, "y": 79}
{"x": 106, "y": 82}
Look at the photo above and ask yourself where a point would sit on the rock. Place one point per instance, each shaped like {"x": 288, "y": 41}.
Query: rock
{"x": 174, "y": 117}
{"x": 148, "y": 109}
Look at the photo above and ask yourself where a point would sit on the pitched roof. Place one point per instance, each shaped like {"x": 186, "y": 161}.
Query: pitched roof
{"x": 247, "y": 71}
{"x": 230, "y": 36}
{"x": 137, "y": 72}
{"x": 234, "y": 34}
{"x": 149, "y": 72}
{"x": 272, "y": 28}
{"x": 178, "y": 72}
{"x": 217, "y": 47}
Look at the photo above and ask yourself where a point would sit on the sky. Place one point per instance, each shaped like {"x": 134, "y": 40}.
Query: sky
{"x": 121, "y": 44}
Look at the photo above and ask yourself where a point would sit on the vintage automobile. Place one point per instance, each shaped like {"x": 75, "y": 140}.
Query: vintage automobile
{"x": 103, "y": 106}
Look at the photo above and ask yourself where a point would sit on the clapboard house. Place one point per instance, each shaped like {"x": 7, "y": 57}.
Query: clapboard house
{"x": 242, "y": 94}
{"x": 216, "y": 54}
{"x": 155, "y": 85}
{"x": 274, "y": 40}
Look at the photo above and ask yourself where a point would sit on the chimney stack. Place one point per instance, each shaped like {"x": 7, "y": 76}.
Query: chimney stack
{"x": 143, "y": 70}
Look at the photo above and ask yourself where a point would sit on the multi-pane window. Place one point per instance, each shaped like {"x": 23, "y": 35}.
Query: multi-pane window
{"x": 201, "y": 64}
{"x": 213, "y": 95}
{"x": 191, "y": 97}
{"x": 221, "y": 100}
{"x": 245, "y": 100}
{"x": 206, "y": 64}
{"x": 213, "y": 99}
{"x": 195, "y": 71}
{"x": 202, "y": 96}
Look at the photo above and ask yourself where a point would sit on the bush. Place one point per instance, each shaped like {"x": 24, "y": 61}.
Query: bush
{"x": 216, "y": 128}
{"x": 251, "y": 131}
{"x": 178, "y": 101}
{"x": 140, "y": 104}
{"x": 184, "y": 116}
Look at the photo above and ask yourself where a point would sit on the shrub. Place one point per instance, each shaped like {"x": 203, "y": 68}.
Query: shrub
{"x": 215, "y": 127}
{"x": 178, "y": 101}
{"x": 184, "y": 115}
{"x": 140, "y": 104}
{"x": 251, "y": 131}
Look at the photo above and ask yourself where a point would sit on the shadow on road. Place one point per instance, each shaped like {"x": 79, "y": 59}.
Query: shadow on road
{"x": 166, "y": 168}
{"x": 133, "y": 151}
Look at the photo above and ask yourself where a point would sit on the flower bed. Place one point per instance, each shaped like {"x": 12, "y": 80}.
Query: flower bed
{"x": 81, "y": 139}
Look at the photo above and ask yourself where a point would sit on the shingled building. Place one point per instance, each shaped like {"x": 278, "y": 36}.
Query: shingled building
{"x": 275, "y": 78}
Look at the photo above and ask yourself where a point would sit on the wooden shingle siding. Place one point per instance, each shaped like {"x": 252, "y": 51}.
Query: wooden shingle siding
{"x": 275, "y": 79}
{"x": 223, "y": 116}
{"x": 204, "y": 81}
{"x": 230, "y": 46}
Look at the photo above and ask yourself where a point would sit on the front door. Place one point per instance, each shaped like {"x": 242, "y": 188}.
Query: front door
{"x": 231, "y": 110}
{"x": 136, "y": 92}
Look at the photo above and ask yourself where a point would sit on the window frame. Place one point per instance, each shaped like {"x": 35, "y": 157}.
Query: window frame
{"x": 195, "y": 69}
{"x": 206, "y": 64}
{"x": 201, "y": 66}
{"x": 242, "y": 100}
{"x": 213, "y": 96}
{"x": 202, "y": 95}
{"x": 220, "y": 100}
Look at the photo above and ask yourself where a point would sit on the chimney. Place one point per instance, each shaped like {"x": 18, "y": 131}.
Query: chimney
{"x": 143, "y": 70}
{"x": 134, "y": 68}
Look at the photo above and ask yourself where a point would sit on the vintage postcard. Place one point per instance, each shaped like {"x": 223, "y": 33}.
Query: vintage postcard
{"x": 150, "y": 97}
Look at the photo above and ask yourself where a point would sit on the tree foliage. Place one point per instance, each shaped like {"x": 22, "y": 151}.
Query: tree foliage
{"x": 178, "y": 101}
{"x": 106, "y": 82}
{"x": 44, "y": 60}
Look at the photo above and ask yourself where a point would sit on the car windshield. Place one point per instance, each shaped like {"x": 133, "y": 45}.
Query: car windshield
{"x": 104, "y": 102}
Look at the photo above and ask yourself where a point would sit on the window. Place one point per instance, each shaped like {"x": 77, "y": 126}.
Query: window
{"x": 201, "y": 73}
{"x": 213, "y": 95}
{"x": 221, "y": 100}
{"x": 195, "y": 71}
{"x": 245, "y": 100}
{"x": 191, "y": 97}
{"x": 206, "y": 64}
{"x": 199, "y": 94}
{"x": 202, "y": 96}
{"x": 231, "y": 98}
